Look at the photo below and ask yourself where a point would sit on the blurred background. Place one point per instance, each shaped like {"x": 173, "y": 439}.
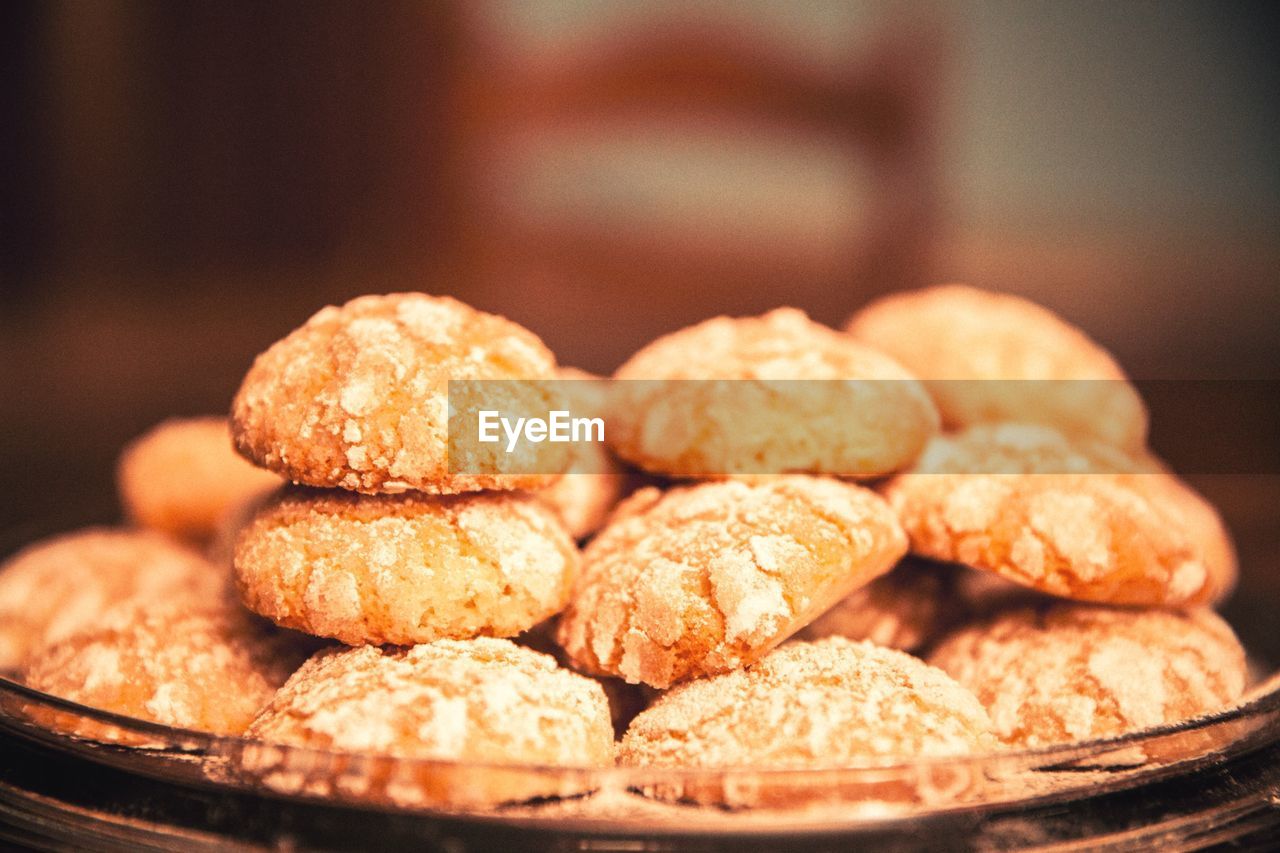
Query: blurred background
{"x": 183, "y": 183}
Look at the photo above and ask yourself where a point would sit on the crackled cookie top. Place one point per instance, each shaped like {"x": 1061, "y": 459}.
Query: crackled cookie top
{"x": 1068, "y": 672}
{"x": 210, "y": 668}
{"x": 832, "y": 703}
{"x": 1010, "y": 359}
{"x": 61, "y": 585}
{"x": 1073, "y": 519}
{"x": 710, "y": 577}
{"x": 404, "y": 568}
{"x": 772, "y": 424}
{"x": 357, "y": 398}
{"x": 482, "y": 700}
{"x": 182, "y": 476}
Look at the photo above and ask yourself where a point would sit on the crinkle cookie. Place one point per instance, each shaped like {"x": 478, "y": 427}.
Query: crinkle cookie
{"x": 55, "y": 587}
{"x": 996, "y": 352}
{"x": 210, "y": 668}
{"x": 773, "y": 424}
{"x": 594, "y": 481}
{"x": 1073, "y": 519}
{"x": 404, "y": 568}
{"x": 1067, "y": 672}
{"x": 357, "y": 398}
{"x": 906, "y": 609}
{"x": 708, "y": 578}
{"x": 182, "y": 476}
{"x": 481, "y": 702}
{"x": 833, "y": 703}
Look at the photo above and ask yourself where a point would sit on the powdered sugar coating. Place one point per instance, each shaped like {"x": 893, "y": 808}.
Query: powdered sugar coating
{"x": 957, "y": 332}
{"x": 832, "y": 703}
{"x": 404, "y": 568}
{"x": 183, "y": 475}
{"x": 1067, "y": 672}
{"x": 58, "y": 586}
{"x": 483, "y": 700}
{"x": 357, "y": 398}
{"x": 905, "y": 609}
{"x": 211, "y": 668}
{"x": 1070, "y": 518}
{"x": 708, "y": 429}
{"x": 708, "y": 578}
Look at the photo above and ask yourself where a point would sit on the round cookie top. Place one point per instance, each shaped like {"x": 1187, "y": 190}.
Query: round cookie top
{"x": 210, "y": 668}
{"x": 481, "y": 700}
{"x": 905, "y": 609}
{"x": 404, "y": 569}
{"x": 707, "y": 578}
{"x": 63, "y": 584}
{"x": 182, "y": 476}
{"x": 357, "y": 397}
{"x": 957, "y": 332}
{"x": 1075, "y": 519}
{"x": 833, "y": 703}
{"x": 868, "y": 427}
{"x": 1064, "y": 672}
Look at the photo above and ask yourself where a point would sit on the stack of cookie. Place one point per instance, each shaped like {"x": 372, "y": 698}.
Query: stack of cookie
{"x": 384, "y": 548}
{"x": 958, "y": 475}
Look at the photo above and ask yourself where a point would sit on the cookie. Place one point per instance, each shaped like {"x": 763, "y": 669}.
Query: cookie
{"x": 1070, "y": 518}
{"x": 906, "y": 609}
{"x": 771, "y": 424}
{"x": 708, "y": 578}
{"x": 833, "y": 703}
{"x": 1003, "y": 358}
{"x": 357, "y": 398}
{"x": 182, "y": 476}
{"x": 406, "y": 568}
{"x": 481, "y": 702}
{"x": 61, "y": 585}
{"x": 210, "y": 668}
{"x": 594, "y": 481}
{"x": 1065, "y": 672}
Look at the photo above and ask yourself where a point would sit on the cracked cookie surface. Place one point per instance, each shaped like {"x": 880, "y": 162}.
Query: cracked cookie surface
{"x": 1061, "y": 672}
{"x": 208, "y": 668}
{"x": 1073, "y": 519}
{"x": 831, "y": 703}
{"x": 707, "y": 578}
{"x": 58, "y": 586}
{"x": 792, "y": 416}
{"x": 485, "y": 700}
{"x": 404, "y": 568}
{"x": 1007, "y": 359}
{"x": 357, "y": 397}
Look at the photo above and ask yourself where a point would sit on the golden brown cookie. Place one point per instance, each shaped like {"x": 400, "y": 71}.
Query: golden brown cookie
{"x": 181, "y": 477}
{"x": 906, "y": 609}
{"x": 58, "y": 586}
{"x": 1064, "y": 672}
{"x": 833, "y": 703}
{"x": 357, "y": 398}
{"x": 771, "y": 424}
{"x": 209, "y": 668}
{"x": 404, "y": 568}
{"x": 1005, "y": 359}
{"x": 479, "y": 702}
{"x": 707, "y": 578}
{"x": 1073, "y": 519}
{"x": 594, "y": 481}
